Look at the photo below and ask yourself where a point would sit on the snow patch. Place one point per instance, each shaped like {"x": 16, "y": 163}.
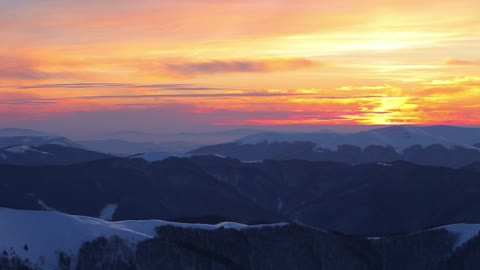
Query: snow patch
{"x": 45, "y": 206}
{"x": 251, "y": 161}
{"x": 108, "y": 211}
{"x": 465, "y": 232}
{"x": 38, "y": 151}
{"x": 384, "y": 164}
{"x": 19, "y": 149}
{"x": 279, "y": 204}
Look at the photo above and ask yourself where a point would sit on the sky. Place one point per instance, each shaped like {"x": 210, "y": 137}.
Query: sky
{"x": 182, "y": 65}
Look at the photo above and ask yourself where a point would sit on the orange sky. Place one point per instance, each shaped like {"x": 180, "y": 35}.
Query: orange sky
{"x": 237, "y": 63}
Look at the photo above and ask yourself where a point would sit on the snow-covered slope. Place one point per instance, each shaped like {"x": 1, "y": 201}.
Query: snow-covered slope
{"x": 40, "y": 236}
{"x": 399, "y": 137}
{"x": 7, "y": 153}
{"x": 47, "y": 233}
{"x": 464, "y": 232}
{"x": 20, "y": 149}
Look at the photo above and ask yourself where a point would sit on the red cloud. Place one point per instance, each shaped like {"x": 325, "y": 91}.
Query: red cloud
{"x": 462, "y": 62}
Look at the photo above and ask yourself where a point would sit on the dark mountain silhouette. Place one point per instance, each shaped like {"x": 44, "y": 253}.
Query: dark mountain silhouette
{"x": 174, "y": 188}
{"x": 366, "y": 199}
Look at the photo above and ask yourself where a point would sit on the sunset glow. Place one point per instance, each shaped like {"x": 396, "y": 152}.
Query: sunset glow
{"x": 240, "y": 63}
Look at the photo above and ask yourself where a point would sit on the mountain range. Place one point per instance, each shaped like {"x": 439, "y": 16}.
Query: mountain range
{"x": 393, "y": 198}
{"x": 128, "y": 148}
{"x": 47, "y": 154}
{"x": 398, "y": 137}
{"x": 326, "y": 195}
{"x": 435, "y": 145}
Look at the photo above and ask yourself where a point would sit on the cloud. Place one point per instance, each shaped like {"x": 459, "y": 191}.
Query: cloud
{"x": 17, "y": 99}
{"x": 239, "y": 66}
{"x": 20, "y": 68}
{"x": 463, "y": 62}
{"x": 97, "y": 85}
{"x": 463, "y": 81}
{"x": 13, "y": 96}
{"x": 73, "y": 85}
{"x": 455, "y": 87}
{"x": 252, "y": 94}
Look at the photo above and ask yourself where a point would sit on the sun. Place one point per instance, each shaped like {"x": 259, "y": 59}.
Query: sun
{"x": 388, "y": 111}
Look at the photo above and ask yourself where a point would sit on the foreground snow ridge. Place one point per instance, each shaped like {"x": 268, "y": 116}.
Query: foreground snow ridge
{"x": 48, "y": 233}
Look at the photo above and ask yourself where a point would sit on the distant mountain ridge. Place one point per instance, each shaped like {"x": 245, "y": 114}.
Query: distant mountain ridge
{"x": 231, "y": 132}
{"x": 284, "y": 203}
{"x": 47, "y": 154}
{"x": 436, "y": 146}
{"x": 127, "y": 148}
{"x": 398, "y": 137}
{"x": 156, "y": 155}
{"x": 8, "y": 141}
